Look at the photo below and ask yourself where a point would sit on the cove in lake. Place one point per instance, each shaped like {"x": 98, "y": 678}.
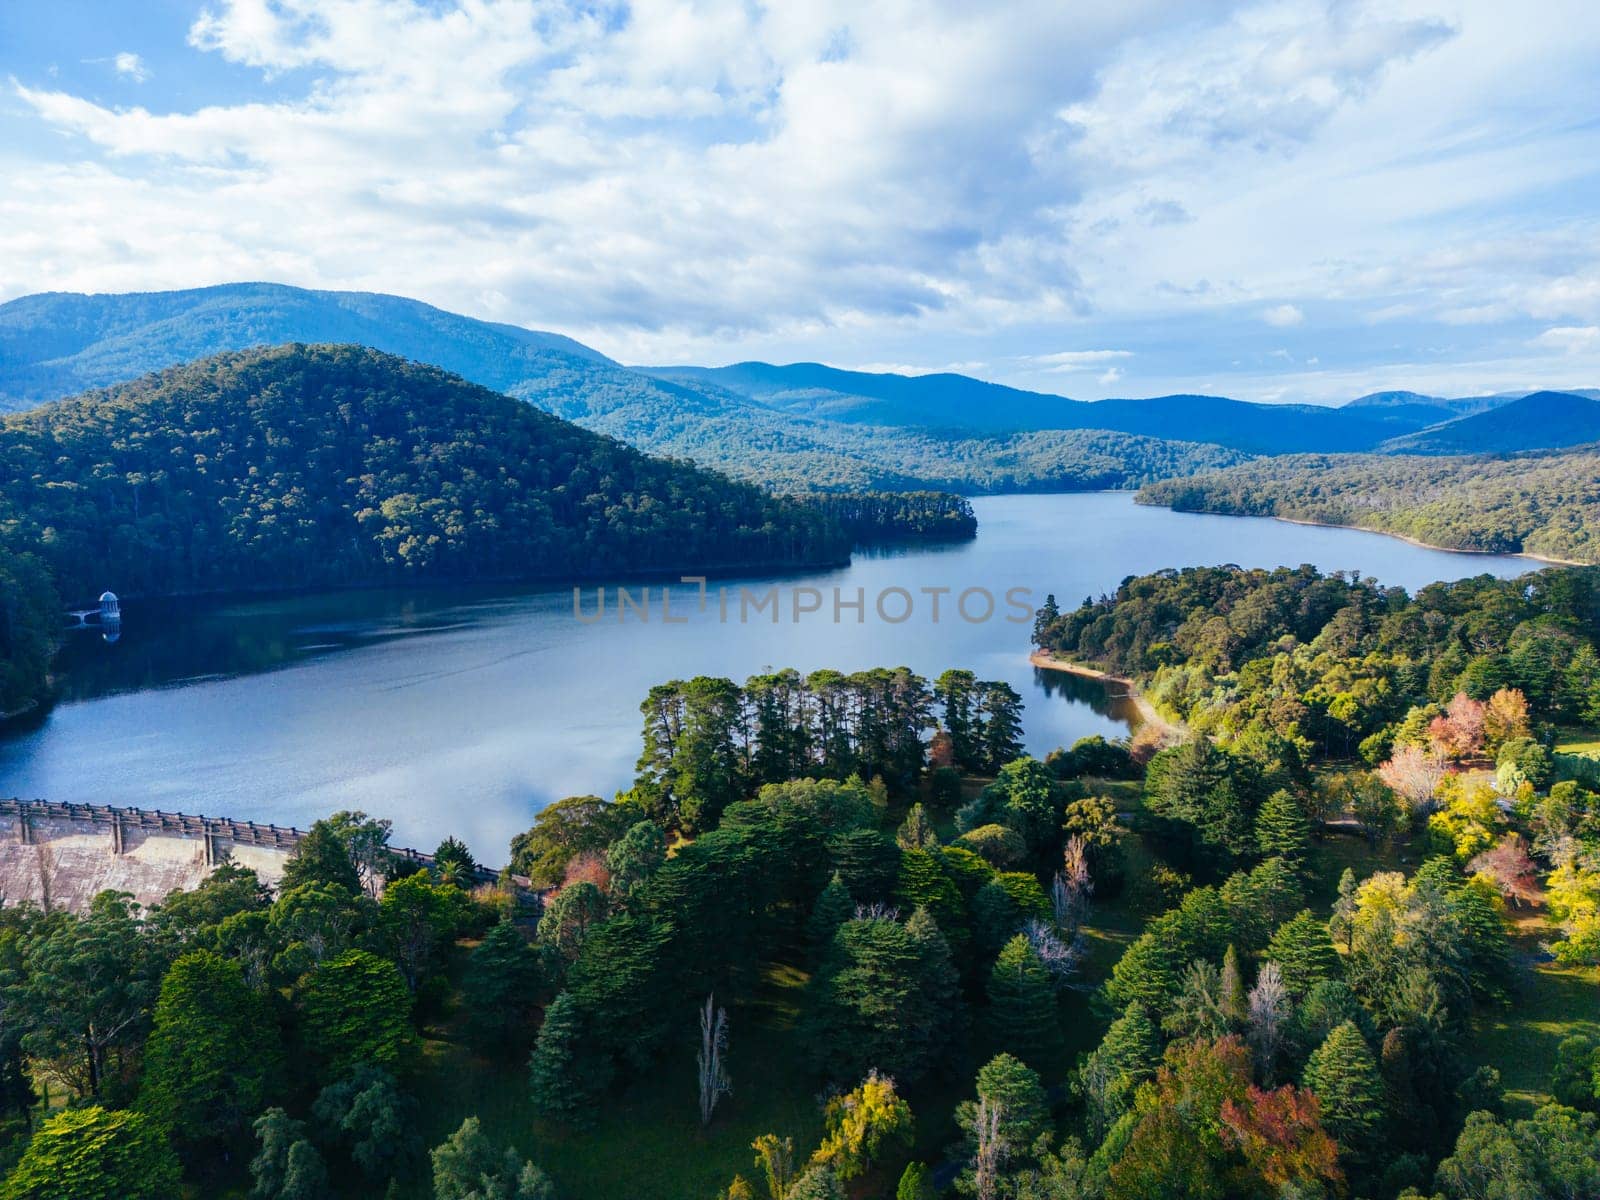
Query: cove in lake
{"x": 454, "y": 710}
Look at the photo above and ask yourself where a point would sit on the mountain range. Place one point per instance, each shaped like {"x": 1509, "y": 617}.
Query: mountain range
{"x": 795, "y": 427}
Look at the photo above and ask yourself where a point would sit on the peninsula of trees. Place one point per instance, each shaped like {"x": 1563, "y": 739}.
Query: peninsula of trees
{"x": 1545, "y": 504}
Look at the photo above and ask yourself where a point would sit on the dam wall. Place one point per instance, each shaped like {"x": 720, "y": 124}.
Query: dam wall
{"x": 61, "y": 855}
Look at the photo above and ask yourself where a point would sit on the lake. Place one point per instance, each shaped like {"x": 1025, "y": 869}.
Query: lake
{"x": 465, "y": 711}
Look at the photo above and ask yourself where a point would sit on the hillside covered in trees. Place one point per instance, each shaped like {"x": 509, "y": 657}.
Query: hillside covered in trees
{"x": 30, "y": 617}
{"x": 840, "y": 941}
{"x": 309, "y": 466}
{"x": 1546, "y": 504}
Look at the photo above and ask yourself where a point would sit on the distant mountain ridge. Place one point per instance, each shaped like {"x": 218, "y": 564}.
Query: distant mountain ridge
{"x": 1540, "y": 421}
{"x": 796, "y": 427}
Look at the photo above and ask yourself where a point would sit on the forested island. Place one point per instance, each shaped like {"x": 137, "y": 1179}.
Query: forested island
{"x": 1545, "y": 504}
{"x": 841, "y": 939}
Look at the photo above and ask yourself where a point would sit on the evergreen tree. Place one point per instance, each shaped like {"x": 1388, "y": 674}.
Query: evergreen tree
{"x": 924, "y": 884}
{"x": 1282, "y": 829}
{"x": 956, "y": 691}
{"x": 1234, "y": 1005}
{"x": 500, "y": 991}
{"x": 635, "y": 858}
{"x": 1022, "y": 1005}
{"x": 1000, "y": 713}
{"x": 1344, "y": 1075}
{"x": 356, "y": 1010}
{"x": 321, "y": 856}
{"x": 214, "y": 1055}
{"x": 1014, "y": 1088}
{"x": 916, "y": 1183}
{"x": 916, "y": 831}
{"x": 833, "y": 908}
{"x": 1304, "y": 953}
{"x": 278, "y": 1133}
{"x": 941, "y": 983}
{"x": 1342, "y": 924}
{"x": 305, "y": 1176}
{"x": 867, "y": 861}
{"x": 1129, "y": 1054}
{"x": 95, "y": 1154}
{"x": 562, "y": 1075}
{"x": 866, "y": 1007}
{"x": 453, "y": 863}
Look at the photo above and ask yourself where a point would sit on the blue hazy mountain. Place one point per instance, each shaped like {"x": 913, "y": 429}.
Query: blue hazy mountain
{"x": 1540, "y": 421}
{"x": 59, "y": 343}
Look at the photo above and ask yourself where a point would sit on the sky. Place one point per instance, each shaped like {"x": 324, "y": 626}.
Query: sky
{"x": 1299, "y": 201}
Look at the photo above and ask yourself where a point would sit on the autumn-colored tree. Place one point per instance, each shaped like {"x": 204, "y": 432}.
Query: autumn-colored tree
{"x": 1459, "y": 732}
{"x": 1414, "y": 773}
{"x": 861, "y": 1125}
{"x": 1506, "y": 716}
{"x": 1507, "y": 865}
{"x": 1281, "y": 1138}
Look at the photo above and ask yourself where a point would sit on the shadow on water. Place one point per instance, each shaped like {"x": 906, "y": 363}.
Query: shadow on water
{"x": 1104, "y": 697}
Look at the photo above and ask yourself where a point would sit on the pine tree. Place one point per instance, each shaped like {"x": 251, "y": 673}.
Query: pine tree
{"x": 356, "y": 1010}
{"x": 833, "y": 908}
{"x": 321, "y": 856}
{"x": 1345, "y": 1077}
{"x": 1342, "y": 924}
{"x": 1282, "y": 829}
{"x": 924, "y": 884}
{"x": 916, "y": 1183}
{"x": 1129, "y": 1054}
{"x": 1304, "y": 953}
{"x": 500, "y": 990}
{"x": 1022, "y": 1005}
{"x": 941, "y": 982}
{"x": 563, "y": 1081}
{"x": 95, "y": 1154}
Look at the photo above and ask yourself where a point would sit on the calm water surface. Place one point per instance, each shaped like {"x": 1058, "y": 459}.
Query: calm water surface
{"x": 466, "y": 710}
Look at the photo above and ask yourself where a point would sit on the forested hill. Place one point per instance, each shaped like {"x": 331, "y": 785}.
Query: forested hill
{"x": 1542, "y": 421}
{"x": 58, "y": 344}
{"x": 336, "y": 465}
{"x": 1546, "y": 504}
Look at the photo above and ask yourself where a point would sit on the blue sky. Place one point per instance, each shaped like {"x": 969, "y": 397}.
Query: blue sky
{"x": 1280, "y": 201}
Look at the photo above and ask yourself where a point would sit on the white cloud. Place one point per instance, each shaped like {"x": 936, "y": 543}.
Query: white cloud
{"x": 1066, "y": 361}
{"x": 901, "y": 182}
{"x": 1110, "y": 375}
{"x": 1573, "y": 339}
{"x": 130, "y": 66}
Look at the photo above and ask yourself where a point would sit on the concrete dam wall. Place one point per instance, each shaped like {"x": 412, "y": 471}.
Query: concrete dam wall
{"x": 62, "y": 855}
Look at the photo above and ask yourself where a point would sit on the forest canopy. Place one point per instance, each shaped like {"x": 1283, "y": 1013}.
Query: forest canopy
{"x": 1547, "y": 503}
{"x": 334, "y": 465}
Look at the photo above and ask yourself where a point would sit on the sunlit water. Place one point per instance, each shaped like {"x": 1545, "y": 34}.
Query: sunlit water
{"x": 466, "y": 710}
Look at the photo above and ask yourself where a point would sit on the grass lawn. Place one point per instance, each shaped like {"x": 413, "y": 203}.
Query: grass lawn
{"x": 1553, "y": 1003}
{"x": 1579, "y": 741}
{"x": 647, "y": 1141}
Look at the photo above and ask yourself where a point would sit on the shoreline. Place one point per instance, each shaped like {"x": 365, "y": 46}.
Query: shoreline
{"x": 1148, "y": 715}
{"x": 1417, "y": 542}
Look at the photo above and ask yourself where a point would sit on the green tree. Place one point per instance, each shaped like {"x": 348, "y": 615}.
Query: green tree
{"x": 1575, "y": 1082}
{"x": 916, "y": 1183}
{"x": 568, "y": 918}
{"x": 923, "y": 883}
{"x": 466, "y": 1166}
{"x": 373, "y": 1119}
{"x": 95, "y": 1154}
{"x": 1012, "y": 1087}
{"x": 832, "y": 909}
{"x": 500, "y": 991}
{"x": 214, "y": 1056}
{"x": 635, "y": 857}
{"x": 866, "y": 1005}
{"x": 453, "y": 863}
{"x": 1128, "y": 1055}
{"x": 1282, "y": 829}
{"x": 955, "y": 691}
{"x": 566, "y": 829}
{"x": 417, "y": 919}
{"x": 916, "y": 831}
{"x": 355, "y": 1009}
{"x": 1304, "y": 953}
{"x": 1344, "y": 1075}
{"x": 941, "y": 1002}
{"x": 999, "y": 710}
{"x": 564, "y": 1076}
{"x": 321, "y": 856}
{"x": 1022, "y": 1005}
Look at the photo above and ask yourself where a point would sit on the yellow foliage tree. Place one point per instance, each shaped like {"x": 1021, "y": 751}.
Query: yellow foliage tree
{"x": 861, "y": 1124}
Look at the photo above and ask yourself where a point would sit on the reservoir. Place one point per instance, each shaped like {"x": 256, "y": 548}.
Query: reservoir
{"x": 466, "y": 710}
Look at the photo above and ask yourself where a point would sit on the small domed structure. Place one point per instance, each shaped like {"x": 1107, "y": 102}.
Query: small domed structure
{"x": 110, "y": 607}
